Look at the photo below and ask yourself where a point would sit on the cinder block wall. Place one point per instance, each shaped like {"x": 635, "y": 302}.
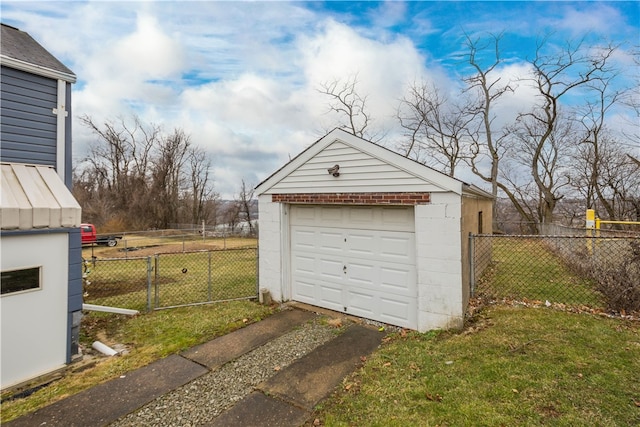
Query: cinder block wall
{"x": 439, "y": 263}
{"x": 270, "y": 248}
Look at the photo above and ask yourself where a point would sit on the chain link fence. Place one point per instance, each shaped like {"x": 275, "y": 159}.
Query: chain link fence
{"x": 592, "y": 270}
{"x": 171, "y": 279}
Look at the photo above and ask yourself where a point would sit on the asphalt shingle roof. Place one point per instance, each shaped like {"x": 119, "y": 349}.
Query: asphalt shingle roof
{"x": 17, "y": 44}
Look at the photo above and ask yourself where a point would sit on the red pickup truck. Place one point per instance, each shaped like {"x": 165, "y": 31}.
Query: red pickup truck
{"x": 90, "y": 237}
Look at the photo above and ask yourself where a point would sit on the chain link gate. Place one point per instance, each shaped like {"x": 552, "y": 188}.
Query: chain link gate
{"x": 172, "y": 279}
{"x": 193, "y": 278}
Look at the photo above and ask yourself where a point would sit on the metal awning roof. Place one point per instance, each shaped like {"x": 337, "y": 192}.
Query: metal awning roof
{"x": 34, "y": 196}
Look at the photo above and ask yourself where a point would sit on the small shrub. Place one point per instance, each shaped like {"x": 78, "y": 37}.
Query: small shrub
{"x": 620, "y": 284}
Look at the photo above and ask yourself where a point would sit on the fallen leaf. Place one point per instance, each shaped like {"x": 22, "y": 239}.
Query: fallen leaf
{"x": 316, "y": 422}
{"x": 515, "y": 390}
{"x": 245, "y": 320}
{"x": 348, "y": 387}
{"x": 277, "y": 368}
{"x": 637, "y": 403}
{"x": 336, "y": 323}
{"x": 386, "y": 364}
{"x": 363, "y": 359}
{"x": 433, "y": 398}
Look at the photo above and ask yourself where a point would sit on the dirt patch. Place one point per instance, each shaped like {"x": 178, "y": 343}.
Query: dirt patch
{"x": 132, "y": 251}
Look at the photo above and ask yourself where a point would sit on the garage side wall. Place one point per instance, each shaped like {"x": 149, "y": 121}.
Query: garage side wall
{"x": 271, "y": 251}
{"x": 439, "y": 264}
{"x": 476, "y": 219}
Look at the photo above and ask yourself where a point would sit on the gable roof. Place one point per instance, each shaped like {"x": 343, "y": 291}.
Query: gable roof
{"x": 367, "y": 167}
{"x": 20, "y": 51}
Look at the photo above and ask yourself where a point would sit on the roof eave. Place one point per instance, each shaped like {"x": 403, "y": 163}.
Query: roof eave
{"x": 470, "y": 189}
{"x": 36, "y": 69}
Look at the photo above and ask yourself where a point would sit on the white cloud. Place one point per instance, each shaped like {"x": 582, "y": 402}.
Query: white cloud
{"x": 241, "y": 77}
{"x": 590, "y": 17}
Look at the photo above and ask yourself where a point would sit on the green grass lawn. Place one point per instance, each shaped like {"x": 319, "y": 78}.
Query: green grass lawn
{"x": 514, "y": 367}
{"x": 527, "y": 269}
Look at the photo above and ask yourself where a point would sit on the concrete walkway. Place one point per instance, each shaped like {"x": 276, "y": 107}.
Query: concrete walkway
{"x": 286, "y": 399}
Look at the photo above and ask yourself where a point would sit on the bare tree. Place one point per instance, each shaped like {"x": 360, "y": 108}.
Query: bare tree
{"x": 537, "y": 200}
{"x": 140, "y": 177}
{"x": 244, "y": 201}
{"x": 119, "y": 162}
{"x": 554, "y": 76}
{"x": 437, "y": 128}
{"x": 167, "y": 177}
{"x": 201, "y": 189}
{"x": 597, "y": 143}
{"x": 488, "y": 142}
{"x": 347, "y": 103}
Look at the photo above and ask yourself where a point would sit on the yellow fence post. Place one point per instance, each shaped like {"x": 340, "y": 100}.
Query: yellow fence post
{"x": 590, "y": 225}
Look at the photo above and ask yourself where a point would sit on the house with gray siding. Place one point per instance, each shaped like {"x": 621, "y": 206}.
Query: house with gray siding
{"x": 41, "y": 258}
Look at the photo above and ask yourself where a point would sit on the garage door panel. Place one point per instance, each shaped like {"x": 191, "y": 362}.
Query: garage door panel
{"x": 303, "y": 264}
{"x": 330, "y": 269}
{"x": 398, "y": 248}
{"x": 305, "y": 214}
{"x": 400, "y": 281}
{"x": 331, "y": 297}
{"x": 361, "y": 259}
{"x": 360, "y": 244}
{"x": 302, "y": 239}
{"x": 360, "y": 304}
{"x": 397, "y": 219}
{"x": 306, "y": 290}
{"x": 400, "y": 312}
{"x": 361, "y": 274}
{"x": 318, "y": 292}
{"x": 391, "y": 218}
{"x": 360, "y": 217}
{"x": 330, "y": 241}
{"x": 329, "y": 215}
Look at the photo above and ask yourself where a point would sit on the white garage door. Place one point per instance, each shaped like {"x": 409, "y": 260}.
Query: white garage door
{"x": 358, "y": 260}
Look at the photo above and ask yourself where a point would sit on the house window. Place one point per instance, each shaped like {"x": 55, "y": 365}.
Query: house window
{"x": 480, "y": 222}
{"x": 13, "y": 281}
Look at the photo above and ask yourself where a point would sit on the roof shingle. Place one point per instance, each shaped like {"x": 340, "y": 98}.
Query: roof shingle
{"x": 18, "y": 45}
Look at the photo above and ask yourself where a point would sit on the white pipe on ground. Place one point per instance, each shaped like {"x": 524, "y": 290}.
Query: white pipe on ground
{"x": 103, "y": 348}
{"x": 106, "y": 309}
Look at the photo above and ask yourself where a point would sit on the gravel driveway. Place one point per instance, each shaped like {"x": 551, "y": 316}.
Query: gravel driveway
{"x": 208, "y": 396}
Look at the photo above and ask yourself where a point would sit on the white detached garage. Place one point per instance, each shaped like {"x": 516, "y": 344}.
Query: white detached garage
{"x": 353, "y": 227}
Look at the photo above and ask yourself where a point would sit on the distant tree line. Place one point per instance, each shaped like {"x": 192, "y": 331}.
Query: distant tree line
{"x": 136, "y": 176}
{"x": 553, "y": 149}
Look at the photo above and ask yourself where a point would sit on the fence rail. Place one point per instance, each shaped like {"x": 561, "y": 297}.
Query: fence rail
{"x": 171, "y": 279}
{"x": 599, "y": 272}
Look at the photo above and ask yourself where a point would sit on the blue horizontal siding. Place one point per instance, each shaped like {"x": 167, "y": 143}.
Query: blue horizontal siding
{"x": 18, "y": 103}
{"x": 28, "y": 129}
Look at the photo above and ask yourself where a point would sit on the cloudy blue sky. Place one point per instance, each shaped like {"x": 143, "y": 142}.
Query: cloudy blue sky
{"x": 242, "y": 77}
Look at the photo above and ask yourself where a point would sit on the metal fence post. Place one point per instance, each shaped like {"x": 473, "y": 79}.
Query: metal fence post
{"x": 258, "y": 271}
{"x": 209, "y": 279}
{"x": 149, "y": 270}
{"x": 472, "y": 266}
{"x": 157, "y": 281}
